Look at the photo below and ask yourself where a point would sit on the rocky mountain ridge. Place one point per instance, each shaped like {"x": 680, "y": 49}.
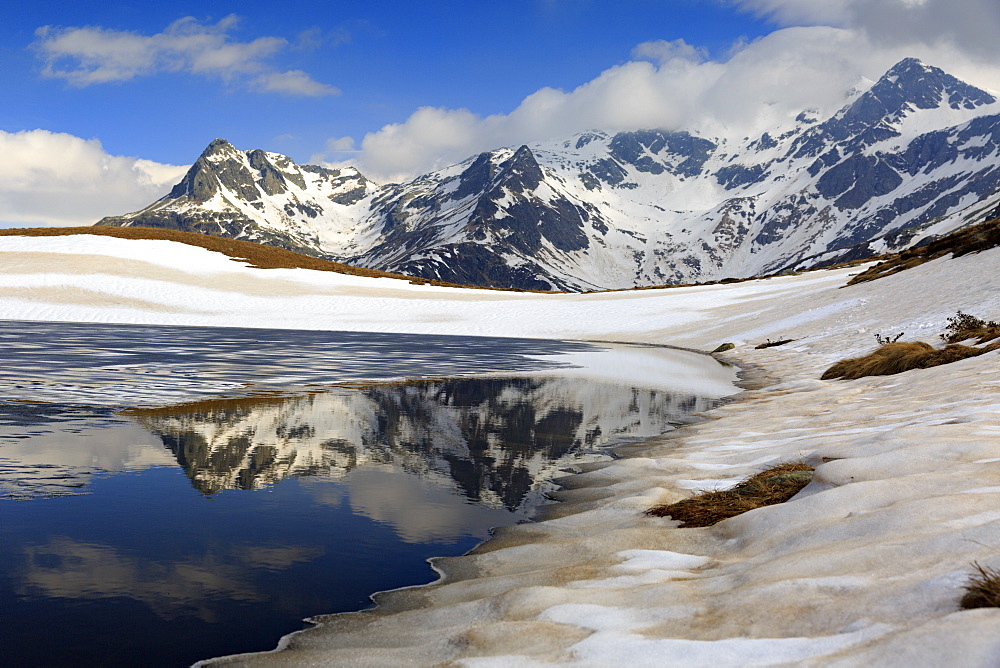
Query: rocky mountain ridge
{"x": 916, "y": 154}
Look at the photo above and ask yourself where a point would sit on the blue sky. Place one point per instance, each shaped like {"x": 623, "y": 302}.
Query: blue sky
{"x": 386, "y": 58}
{"x": 105, "y": 102}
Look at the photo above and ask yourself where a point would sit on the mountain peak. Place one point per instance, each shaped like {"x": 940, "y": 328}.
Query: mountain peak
{"x": 522, "y": 171}
{"x": 202, "y": 180}
{"x": 910, "y": 82}
{"x": 908, "y": 86}
{"x": 218, "y": 146}
{"x": 909, "y": 65}
{"x": 623, "y": 208}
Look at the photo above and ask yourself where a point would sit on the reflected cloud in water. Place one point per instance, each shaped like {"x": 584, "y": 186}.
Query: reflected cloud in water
{"x": 419, "y": 508}
{"x": 73, "y": 569}
{"x": 48, "y": 450}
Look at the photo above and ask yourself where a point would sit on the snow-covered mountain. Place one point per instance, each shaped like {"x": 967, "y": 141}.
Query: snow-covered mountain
{"x": 262, "y": 197}
{"x": 916, "y": 153}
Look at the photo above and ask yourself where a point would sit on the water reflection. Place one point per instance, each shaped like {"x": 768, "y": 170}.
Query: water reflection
{"x": 493, "y": 441}
{"x": 48, "y": 450}
{"x": 63, "y": 567}
{"x": 226, "y": 521}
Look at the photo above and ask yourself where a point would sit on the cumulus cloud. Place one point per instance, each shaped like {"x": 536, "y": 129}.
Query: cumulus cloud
{"x": 94, "y": 55}
{"x": 799, "y": 12}
{"x": 292, "y": 82}
{"x": 970, "y": 26}
{"x": 57, "y": 179}
{"x": 663, "y": 51}
{"x": 335, "y": 148}
{"x": 819, "y": 53}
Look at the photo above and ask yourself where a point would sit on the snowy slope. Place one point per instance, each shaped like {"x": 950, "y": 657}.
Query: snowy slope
{"x": 914, "y": 154}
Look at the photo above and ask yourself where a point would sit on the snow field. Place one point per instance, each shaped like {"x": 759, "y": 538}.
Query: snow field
{"x": 865, "y": 566}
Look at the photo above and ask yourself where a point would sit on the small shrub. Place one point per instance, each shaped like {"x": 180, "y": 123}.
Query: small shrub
{"x": 770, "y": 344}
{"x": 775, "y": 484}
{"x": 886, "y": 340}
{"x": 963, "y": 326}
{"x": 983, "y": 589}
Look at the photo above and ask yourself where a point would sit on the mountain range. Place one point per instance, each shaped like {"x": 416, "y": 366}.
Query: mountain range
{"x": 909, "y": 157}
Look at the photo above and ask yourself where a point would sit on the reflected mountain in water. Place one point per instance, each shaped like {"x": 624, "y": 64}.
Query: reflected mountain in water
{"x": 492, "y": 440}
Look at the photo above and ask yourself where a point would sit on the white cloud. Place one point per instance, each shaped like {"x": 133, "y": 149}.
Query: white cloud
{"x": 293, "y": 82}
{"x": 94, "y": 55}
{"x": 429, "y": 138}
{"x": 57, "y": 179}
{"x": 671, "y": 84}
{"x": 970, "y": 26}
{"x": 663, "y": 51}
{"x": 334, "y": 149}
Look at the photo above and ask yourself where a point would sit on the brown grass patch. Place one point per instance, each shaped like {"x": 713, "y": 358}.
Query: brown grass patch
{"x": 245, "y": 404}
{"x": 901, "y": 356}
{"x": 775, "y": 484}
{"x": 983, "y": 589}
{"x": 256, "y": 255}
{"x": 973, "y": 239}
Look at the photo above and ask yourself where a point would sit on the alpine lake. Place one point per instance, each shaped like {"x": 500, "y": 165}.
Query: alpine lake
{"x": 171, "y": 494}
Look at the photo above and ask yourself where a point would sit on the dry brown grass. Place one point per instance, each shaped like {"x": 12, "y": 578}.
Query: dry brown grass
{"x": 901, "y": 356}
{"x": 775, "y": 484}
{"x": 256, "y": 255}
{"x": 219, "y": 404}
{"x": 972, "y": 239}
{"x": 983, "y": 589}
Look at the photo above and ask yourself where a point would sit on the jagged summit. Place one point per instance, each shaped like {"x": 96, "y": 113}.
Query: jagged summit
{"x": 912, "y": 83}
{"x": 915, "y": 153}
{"x": 259, "y": 196}
{"x": 218, "y": 146}
{"x": 875, "y": 115}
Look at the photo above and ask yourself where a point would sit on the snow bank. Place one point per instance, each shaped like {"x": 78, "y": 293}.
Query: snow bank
{"x": 864, "y": 566}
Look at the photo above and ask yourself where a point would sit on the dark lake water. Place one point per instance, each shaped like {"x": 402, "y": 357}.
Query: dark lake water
{"x": 171, "y": 494}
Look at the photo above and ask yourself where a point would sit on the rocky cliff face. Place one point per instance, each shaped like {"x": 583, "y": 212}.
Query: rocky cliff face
{"x": 916, "y": 154}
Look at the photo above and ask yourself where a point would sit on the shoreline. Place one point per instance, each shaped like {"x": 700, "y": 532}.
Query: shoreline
{"x": 569, "y": 498}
